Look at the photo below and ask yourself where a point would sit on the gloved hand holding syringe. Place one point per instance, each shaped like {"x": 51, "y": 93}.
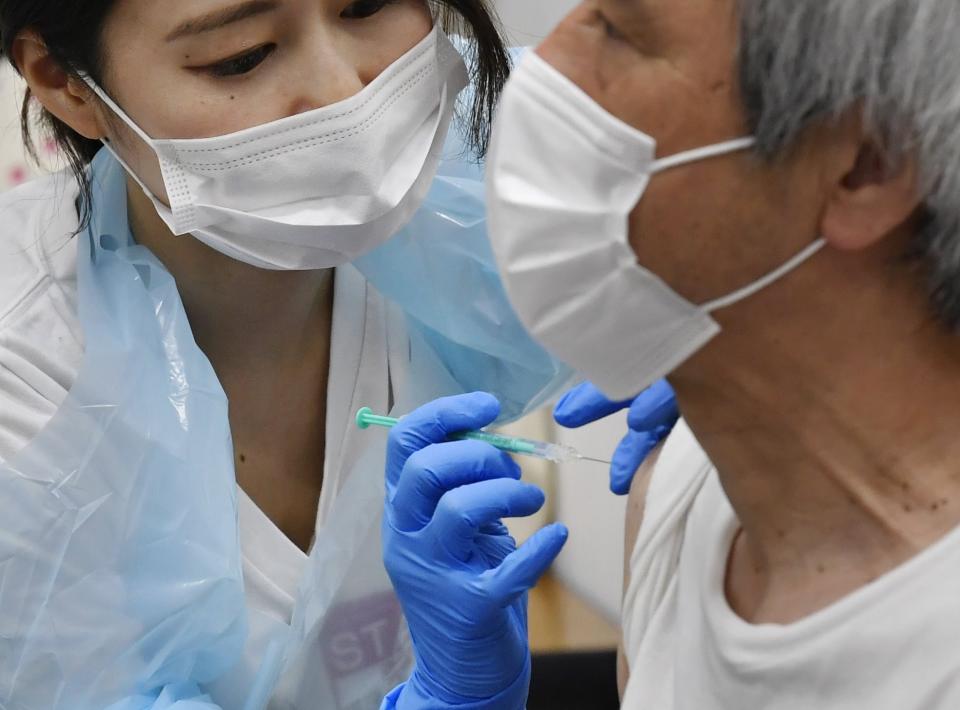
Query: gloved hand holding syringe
{"x": 550, "y": 451}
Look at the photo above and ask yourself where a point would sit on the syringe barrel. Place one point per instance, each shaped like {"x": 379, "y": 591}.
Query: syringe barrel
{"x": 511, "y": 444}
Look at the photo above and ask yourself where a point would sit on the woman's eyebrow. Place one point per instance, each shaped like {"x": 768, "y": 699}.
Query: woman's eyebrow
{"x": 220, "y": 18}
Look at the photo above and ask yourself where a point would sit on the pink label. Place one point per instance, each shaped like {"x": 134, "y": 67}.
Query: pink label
{"x": 361, "y": 634}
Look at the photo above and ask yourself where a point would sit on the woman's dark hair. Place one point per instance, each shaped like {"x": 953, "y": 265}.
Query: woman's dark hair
{"x": 72, "y": 29}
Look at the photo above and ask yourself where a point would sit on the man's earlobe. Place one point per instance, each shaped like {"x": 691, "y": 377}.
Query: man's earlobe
{"x": 871, "y": 200}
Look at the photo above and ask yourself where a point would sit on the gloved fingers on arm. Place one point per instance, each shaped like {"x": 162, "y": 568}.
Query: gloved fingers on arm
{"x": 434, "y": 423}
{"x": 521, "y": 570}
{"x": 583, "y": 405}
{"x": 432, "y": 472}
{"x": 463, "y": 511}
{"x": 631, "y": 453}
{"x": 654, "y": 410}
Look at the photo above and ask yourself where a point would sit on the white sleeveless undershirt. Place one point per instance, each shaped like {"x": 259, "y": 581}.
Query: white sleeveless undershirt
{"x": 892, "y": 645}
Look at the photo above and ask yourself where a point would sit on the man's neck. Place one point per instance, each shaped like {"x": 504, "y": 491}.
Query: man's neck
{"x": 842, "y": 460}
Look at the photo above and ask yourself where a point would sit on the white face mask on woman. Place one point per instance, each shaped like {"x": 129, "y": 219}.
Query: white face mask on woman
{"x": 315, "y": 190}
{"x": 563, "y": 177}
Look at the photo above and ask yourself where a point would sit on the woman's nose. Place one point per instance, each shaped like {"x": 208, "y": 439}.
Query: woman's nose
{"x": 327, "y": 76}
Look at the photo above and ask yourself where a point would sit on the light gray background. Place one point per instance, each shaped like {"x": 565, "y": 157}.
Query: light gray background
{"x": 528, "y": 21}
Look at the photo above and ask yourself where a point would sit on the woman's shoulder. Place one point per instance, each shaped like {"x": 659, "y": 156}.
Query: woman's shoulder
{"x": 40, "y": 337}
{"x": 38, "y": 222}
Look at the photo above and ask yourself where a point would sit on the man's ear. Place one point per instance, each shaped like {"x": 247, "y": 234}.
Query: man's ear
{"x": 869, "y": 198}
{"x": 62, "y": 94}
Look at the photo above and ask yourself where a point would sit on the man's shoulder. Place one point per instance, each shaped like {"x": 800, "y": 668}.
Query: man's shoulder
{"x": 661, "y": 500}
{"x": 668, "y": 480}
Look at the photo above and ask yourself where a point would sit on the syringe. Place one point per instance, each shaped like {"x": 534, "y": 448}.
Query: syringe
{"x": 558, "y": 453}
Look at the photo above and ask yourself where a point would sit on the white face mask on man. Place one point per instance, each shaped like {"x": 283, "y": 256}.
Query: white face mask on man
{"x": 563, "y": 177}
{"x": 315, "y": 190}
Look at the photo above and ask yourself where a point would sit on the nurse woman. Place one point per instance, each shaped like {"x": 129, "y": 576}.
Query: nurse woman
{"x": 190, "y": 519}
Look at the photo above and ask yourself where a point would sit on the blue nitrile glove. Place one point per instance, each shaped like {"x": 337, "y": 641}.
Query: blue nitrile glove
{"x": 459, "y": 576}
{"x": 651, "y": 418}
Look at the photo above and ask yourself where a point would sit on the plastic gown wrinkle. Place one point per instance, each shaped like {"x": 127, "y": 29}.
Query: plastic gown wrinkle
{"x": 120, "y": 581}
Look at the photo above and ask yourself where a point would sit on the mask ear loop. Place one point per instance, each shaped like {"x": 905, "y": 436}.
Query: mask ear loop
{"x": 714, "y": 151}
{"x": 122, "y": 115}
{"x": 705, "y": 153}
{"x": 113, "y": 106}
{"x": 767, "y": 280}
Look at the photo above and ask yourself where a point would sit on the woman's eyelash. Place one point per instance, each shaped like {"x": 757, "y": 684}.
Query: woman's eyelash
{"x": 242, "y": 64}
{"x": 362, "y": 9}
{"x": 247, "y": 62}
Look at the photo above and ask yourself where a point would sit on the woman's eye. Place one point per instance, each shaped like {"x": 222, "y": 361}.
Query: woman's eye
{"x": 242, "y": 64}
{"x": 362, "y": 9}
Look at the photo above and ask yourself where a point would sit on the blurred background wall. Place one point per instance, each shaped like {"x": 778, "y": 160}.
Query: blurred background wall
{"x": 14, "y": 167}
{"x": 528, "y": 21}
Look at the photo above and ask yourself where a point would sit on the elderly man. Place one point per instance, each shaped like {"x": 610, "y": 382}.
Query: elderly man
{"x": 799, "y": 543}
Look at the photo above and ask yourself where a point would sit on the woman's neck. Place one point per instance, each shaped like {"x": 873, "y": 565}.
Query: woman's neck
{"x": 242, "y": 316}
{"x": 267, "y": 335}
{"x": 839, "y": 451}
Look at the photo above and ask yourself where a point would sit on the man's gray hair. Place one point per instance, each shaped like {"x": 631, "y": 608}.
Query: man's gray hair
{"x": 803, "y": 61}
